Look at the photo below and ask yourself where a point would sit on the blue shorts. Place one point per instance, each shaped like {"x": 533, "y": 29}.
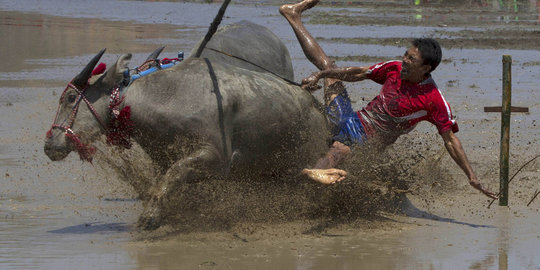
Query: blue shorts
{"x": 345, "y": 124}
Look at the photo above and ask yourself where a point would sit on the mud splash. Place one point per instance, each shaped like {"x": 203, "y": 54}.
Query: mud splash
{"x": 69, "y": 215}
{"x": 377, "y": 183}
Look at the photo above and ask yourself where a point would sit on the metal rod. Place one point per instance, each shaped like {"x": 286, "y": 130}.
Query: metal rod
{"x": 505, "y": 129}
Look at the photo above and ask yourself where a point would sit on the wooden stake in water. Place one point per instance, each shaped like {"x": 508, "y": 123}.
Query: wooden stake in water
{"x": 505, "y": 129}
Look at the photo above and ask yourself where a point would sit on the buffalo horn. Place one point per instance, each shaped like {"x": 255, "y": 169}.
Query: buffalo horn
{"x": 81, "y": 79}
{"x": 155, "y": 54}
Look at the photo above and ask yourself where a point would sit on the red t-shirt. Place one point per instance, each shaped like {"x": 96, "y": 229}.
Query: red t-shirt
{"x": 401, "y": 105}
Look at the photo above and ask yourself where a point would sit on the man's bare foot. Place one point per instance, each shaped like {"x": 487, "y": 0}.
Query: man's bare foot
{"x": 325, "y": 176}
{"x": 294, "y": 11}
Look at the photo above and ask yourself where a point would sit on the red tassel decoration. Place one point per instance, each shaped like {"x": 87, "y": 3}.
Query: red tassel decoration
{"x": 85, "y": 151}
{"x": 120, "y": 129}
{"x": 99, "y": 69}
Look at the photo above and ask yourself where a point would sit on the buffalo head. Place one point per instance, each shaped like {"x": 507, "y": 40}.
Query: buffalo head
{"x": 83, "y": 110}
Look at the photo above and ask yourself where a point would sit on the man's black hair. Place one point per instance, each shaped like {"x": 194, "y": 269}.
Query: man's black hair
{"x": 430, "y": 51}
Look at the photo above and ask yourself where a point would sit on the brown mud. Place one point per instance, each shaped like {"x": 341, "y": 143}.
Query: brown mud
{"x": 409, "y": 207}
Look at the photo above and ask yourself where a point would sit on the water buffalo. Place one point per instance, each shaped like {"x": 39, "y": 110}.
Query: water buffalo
{"x": 205, "y": 117}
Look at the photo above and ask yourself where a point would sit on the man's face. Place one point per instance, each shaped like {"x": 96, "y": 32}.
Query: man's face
{"x": 413, "y": 68}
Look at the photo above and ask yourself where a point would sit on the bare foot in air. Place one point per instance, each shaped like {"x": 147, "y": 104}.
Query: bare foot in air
{"x": 325, "y": 176}
{"x": 294, "y": 11}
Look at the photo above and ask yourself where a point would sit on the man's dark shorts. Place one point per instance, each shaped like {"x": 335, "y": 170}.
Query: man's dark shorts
{"x": 345, "y": 124}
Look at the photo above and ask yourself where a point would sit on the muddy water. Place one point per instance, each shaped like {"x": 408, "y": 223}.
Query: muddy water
{"x": 71, "y": 215}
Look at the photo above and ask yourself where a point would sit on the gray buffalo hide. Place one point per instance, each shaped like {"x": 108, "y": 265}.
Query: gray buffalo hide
{"x": 208, "y": 117}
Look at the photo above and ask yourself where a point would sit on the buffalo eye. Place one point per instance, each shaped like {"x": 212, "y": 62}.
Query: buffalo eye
{"x": 71, "y": 98}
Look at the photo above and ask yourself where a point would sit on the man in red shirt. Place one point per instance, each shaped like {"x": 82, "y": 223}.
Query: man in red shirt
{"x": 408, "y": 95}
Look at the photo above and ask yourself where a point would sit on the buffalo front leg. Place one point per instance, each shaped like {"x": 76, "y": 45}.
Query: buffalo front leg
{"x": 204, "y": 163}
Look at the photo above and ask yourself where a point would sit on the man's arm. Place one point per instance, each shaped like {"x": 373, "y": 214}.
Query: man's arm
{"x": 454, "y": 148}
{"x": 349, "y": 74}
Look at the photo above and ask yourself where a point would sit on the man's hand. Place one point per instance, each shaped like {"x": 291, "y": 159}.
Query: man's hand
{"x": 476, "y": 184}
{"x": 310, "y": 83}
{"x": 454, "y": 148}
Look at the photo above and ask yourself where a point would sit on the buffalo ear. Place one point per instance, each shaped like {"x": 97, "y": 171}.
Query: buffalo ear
{"x": 82, "y": 78}
{"x": 115, "y": 73}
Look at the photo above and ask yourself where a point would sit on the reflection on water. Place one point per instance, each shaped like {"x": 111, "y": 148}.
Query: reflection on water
{"x": 511, "y": 242}
{"x": 431, "y": 244}
{"x": 26, "y": 243}
{"x": 502, "y": 237}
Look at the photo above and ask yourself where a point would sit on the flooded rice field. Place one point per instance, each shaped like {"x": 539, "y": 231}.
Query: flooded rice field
{"x": 74, "y": 215}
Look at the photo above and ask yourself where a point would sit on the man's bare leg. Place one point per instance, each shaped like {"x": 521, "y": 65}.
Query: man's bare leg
{"x": 337, "y": 153}
{"x": 324, "y": 171}
{"x": 312, "y": 49}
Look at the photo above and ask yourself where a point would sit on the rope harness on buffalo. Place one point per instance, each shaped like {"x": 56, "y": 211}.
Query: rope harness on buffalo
{"x": 120, "y": 126}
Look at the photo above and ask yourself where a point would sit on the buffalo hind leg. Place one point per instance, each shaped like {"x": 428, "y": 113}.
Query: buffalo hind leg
{"x": 203, "y": 163}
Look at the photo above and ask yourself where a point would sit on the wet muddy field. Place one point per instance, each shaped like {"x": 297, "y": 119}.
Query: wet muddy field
{"x": 73, "y": 215}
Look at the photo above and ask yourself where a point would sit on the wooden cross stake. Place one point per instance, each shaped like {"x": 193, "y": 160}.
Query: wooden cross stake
{"x": 506, "y": 109}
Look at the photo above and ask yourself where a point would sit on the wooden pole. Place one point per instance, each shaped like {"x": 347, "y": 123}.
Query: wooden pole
{"x": 505, "y": 129}
{"x": 512, "y": 109}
